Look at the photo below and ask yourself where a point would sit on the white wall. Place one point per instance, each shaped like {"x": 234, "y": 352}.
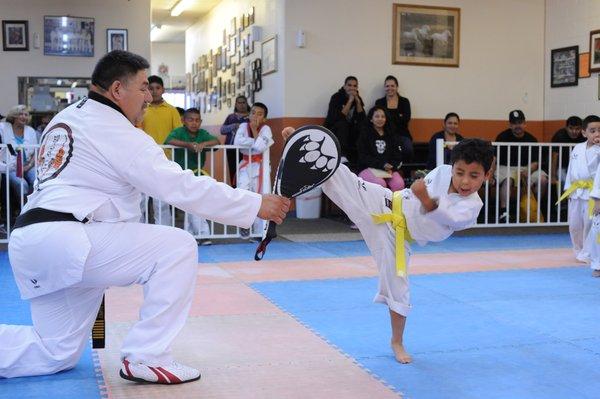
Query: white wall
{"x": 170, "y": 54}
{"x": 132, "y": 15}
{"x": 501, "y": 58}
{"x": 568, "y": 23}
{"x": 207, "y": 34}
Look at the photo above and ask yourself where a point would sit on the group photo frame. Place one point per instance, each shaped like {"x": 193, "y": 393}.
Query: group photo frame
{"x": 425, "y": 35}
{"x": 564, "y": 66}
{"x": 68, "y": 36}
{"x": 116, "y": 39}
{"x": 15, "y": 35}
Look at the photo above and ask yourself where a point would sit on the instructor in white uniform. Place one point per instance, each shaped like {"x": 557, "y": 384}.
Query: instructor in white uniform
{"x": 79, "y": 233}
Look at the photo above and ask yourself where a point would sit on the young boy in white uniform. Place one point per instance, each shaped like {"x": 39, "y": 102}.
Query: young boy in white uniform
{"x": 257, "y": 138}
{"x": 445, "y": 201}
{"x": 583, "y": 164}
{"x": 78, "y": 233}
{"x": 592, "y": 243}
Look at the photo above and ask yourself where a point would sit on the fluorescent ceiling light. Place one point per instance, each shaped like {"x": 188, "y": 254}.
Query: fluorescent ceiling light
{"x": 155, "y": 32}
{"x": 180, "y": 7}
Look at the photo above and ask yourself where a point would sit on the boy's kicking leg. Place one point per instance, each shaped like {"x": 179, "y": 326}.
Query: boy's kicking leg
{"x": 359, "y": 200}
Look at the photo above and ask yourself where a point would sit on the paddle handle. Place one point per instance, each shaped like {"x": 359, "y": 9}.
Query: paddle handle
{"x": 262, "y": 247}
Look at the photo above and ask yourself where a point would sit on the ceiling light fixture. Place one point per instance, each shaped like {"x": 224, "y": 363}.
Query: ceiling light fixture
{"x": 155, "y": 32}
{"x": 180, "y": 7}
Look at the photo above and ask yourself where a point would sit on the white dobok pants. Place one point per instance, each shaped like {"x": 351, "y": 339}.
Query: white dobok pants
{"x": 163, "y": 259}
{"x": 592, "y": 244}
{"x": 579, "y": 227}
{"x": 359, "y": 199}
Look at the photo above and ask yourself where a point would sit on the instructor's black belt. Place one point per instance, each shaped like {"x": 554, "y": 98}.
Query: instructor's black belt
{"x": 41, "y": 215}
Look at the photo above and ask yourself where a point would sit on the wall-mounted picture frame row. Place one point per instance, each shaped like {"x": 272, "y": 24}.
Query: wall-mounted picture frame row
{"x": 63, "y": 36}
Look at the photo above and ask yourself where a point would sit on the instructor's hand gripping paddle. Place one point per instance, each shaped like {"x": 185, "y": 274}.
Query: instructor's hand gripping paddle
{"x": 310, "y": 156}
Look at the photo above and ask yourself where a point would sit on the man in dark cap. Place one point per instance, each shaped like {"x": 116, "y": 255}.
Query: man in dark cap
{"x": 514, "y": 163}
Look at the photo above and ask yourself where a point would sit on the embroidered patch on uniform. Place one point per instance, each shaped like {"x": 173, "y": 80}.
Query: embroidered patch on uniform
{"x": 55, "y": 152}
{"x": 388, "y": 203}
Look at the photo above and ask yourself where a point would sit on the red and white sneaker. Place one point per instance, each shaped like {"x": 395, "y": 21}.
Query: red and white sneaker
{"x": 173, "y": 373}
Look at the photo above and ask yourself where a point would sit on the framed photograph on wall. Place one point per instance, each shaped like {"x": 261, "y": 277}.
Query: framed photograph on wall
{"x": 116, "y": 39}
{"x": 269, "y": 55}
{"x": 15, "y": 35}
{"x": 564, "y": 66}
{"x": 69, "y": 36}
{"x": 595, "y": 51}
{"x": 425, "y": 35}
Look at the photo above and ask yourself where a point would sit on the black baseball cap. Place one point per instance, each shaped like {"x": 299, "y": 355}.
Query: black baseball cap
{"x": 516, "y": 116}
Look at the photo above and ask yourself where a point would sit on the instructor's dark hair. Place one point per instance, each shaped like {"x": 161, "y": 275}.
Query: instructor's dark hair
{"x": 350, "y": 78}
{"x": 474, "y": 150}
{"x": 117, "y": 65}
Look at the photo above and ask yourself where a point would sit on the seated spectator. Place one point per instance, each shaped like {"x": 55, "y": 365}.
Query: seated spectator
{"x": 345, "y": 115}
{"x": 16, "y": 132}
{"x": 44, "y": 121}
{"x": 193, "y": 141}
{"x": 379, "y": 151}
{"x": 507, "y": 173}
{"x": 240, "y": 114}
{"x": 398, "y": 110}
{"x": 256, "y": 136}
{"x": 570, "y": 134}
{"x": 450, "y": 133}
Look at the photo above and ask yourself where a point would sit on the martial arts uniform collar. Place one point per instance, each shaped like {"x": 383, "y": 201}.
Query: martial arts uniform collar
{"x": 92, "y": 95}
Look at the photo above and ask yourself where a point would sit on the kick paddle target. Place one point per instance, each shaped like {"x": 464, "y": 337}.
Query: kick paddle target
{"x": 310, "y": 156}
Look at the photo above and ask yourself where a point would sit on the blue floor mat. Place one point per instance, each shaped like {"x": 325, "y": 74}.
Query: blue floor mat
{"x": 506, "y": 334}
{"x": 80, "y": 382}
{"x": 333, "y": 249}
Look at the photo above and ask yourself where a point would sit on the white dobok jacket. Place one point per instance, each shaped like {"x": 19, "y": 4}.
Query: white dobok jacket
{"x": 94, "y": 164}
{"x": 583, "y": 164}
{"x": 454, "y": 212}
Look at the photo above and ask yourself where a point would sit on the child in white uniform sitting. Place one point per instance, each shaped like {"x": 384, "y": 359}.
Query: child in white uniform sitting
{"x": 445, "y": 201}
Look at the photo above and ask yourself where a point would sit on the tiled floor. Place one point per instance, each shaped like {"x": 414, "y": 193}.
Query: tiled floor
{"x": 250, "y": 335}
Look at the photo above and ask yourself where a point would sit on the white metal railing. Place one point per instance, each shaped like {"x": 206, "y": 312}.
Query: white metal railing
{"x": 216, "y": 166}
{"x": 526, "y": 203}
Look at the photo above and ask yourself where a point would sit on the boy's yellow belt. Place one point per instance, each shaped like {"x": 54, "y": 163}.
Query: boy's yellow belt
{"x": 576, "y": 185}
{"x": 398, "y": 221}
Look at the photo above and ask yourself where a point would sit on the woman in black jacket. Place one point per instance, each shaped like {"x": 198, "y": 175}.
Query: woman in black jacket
{"x": 398, "y": 111}
{"x": 450, "y": 133}
{"x": 380, "y": 152}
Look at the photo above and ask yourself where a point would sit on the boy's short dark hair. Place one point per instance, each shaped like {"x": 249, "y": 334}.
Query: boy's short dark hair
{"x": 117, "y": 65}
{"x": 191, "y": 111}
{"x": 155, "y": 79}
{"x": 262, "y": 106}
{"x": 573, "y": 121}
{"x": 474, "y": 150}
{"x": 350, "y": 78}
{"x": 590, "y": 119}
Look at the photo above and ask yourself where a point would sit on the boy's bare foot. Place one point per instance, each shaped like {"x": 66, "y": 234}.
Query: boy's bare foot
{"x": 401, "y": 355}
{"x": 595, "y": 273}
